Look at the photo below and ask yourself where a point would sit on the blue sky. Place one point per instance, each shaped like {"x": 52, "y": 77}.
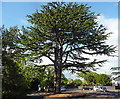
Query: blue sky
{"x": 14, "y": 13}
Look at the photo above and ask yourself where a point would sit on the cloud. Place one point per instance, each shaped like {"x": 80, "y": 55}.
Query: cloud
{"x": 112, "y": 26}
{"x": 70, "y": 75}
{"x": 46, "y": 61}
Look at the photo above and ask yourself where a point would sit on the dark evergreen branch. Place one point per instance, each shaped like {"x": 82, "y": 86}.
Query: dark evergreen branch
{"x": 66, "y": 57}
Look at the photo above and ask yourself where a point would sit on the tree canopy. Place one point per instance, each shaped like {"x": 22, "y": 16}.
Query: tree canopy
{"x": 104, "y": 80}
{"x": 62, "y": 32}
{"x": 90, "y": 77}
{"x": 71, "y": 28}
{"x": 94, "y": 78}
{"x": 13, "y": 83}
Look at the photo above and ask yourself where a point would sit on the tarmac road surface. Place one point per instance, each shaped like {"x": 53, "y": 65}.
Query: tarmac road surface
{"x": 89, "y": 94}
{"x": 108, "y": 94}
{"x": 111, "y": 93}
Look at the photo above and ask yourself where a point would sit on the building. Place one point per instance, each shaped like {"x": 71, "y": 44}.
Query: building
{"x": 115, "y": 71}
{"x": 116, "y": 76}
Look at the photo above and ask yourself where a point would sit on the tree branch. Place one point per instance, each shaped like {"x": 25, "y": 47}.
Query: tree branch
{"x": 66, "y": 58}
{"x": 65, "y": 49}
{"x": 49, "y": 58}
{"x": 78, "y": 49}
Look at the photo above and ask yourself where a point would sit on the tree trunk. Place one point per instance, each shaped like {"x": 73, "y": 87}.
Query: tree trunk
{"x": 57, "y": 79}
{"x": 58, "y": 69}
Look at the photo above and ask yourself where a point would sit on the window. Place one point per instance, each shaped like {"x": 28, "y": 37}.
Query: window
{"x": 115, "y": 73}
{"x": 115, "y": 68}
{"x": 117, "y": 79}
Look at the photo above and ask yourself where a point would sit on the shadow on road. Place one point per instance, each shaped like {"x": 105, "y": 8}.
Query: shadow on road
{"x": 110, "y": 94}
{"x": 35, "y": 97}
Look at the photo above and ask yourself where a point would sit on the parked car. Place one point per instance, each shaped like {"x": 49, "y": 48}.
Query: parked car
{"x": 95, "y": 87}
{"x": 99, "y": 88}
{"x": 86, "y": 88}
{"x": 63, "y": 89}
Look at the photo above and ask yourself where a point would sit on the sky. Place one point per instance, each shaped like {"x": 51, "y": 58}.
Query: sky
{"x": 14, "y": 13}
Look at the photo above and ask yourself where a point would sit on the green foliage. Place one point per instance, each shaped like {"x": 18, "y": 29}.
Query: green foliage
{"x": 64, "y": 80}
{"x": 104, "y": 79}
{"x": 94, "y": 78}
{"x": 32, "y": 73}
{"x": 44, "y": 76}
{"x": 69, "y": 29}
{"x": 35, "y": 75}
{"x": 84, "y": 83}
{"x": 13, "y": 83}
{"x": 90, "y": 77}
{"x": 77, "y": 82}
{"x": 49, "y": 75}
{"x": 70, "y": 83}
{"x": 73, "y": 83}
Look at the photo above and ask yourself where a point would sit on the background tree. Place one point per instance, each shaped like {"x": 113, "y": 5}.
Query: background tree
{"x": 94, "y": 78}
{"x": 64, "y": 80}
{"x": 13, "y": 83}
{"x": 63, "y": 33}
{"x": 90, "y": 77}
{"x": 104, "y": 80}
{"x": 70, "y": 83}
{"x": 77, "y": 82}
{"x": 73, "y": 83}
{"x": 34, "y": 75}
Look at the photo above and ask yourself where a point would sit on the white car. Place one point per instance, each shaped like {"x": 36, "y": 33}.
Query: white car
{"x": 63, "y": 89}
{"x": 99, "y": 88}
{"x": 86, "y": 88}
{"x": 95, "y": 87}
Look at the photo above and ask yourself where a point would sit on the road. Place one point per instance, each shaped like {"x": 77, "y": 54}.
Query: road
{"x": 108, "y": 94}
{"x": 89, "y": 94}
{"x": 94, "y": 94}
